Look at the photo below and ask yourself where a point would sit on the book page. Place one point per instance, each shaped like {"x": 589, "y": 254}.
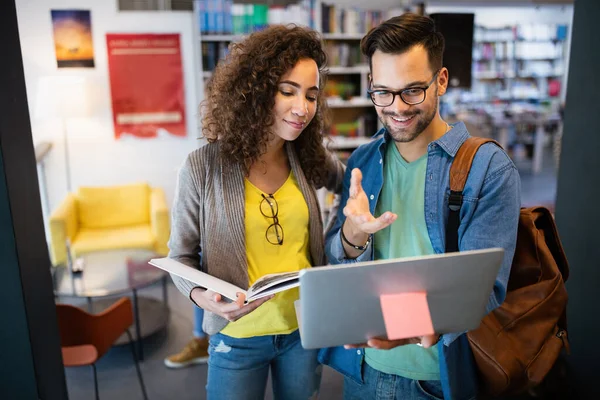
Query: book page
{"x": 198, "y": 277}
{"x": 276, "y": 288}
{"x": 274, "y": 283}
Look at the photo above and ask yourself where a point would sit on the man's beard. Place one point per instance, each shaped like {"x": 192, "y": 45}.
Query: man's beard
{"x": 411, "y": 133}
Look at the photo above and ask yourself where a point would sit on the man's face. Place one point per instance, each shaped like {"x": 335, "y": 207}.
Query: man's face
{"x": 411, "y": 69}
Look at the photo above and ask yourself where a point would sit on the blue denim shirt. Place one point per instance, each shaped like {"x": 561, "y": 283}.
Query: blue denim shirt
{"x": 489, "y": 218}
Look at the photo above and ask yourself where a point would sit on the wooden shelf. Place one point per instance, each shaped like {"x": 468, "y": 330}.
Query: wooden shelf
{"x": 520, "y": 41}
{"x": 483, "y": 59}
{"x": 221, "y": 38}
{"x": 551, "y": 59}
{"x": 538, "y": 76}
{"x": 343, "y": 36}
{"x": 549, "y": 40}
{"x": 494, "y": 41}
{"x": 342, "y": 142}
{"x": 357, "y": 69}
{"x": 355, "y": 102}
{"x": 491, "y": 76}
{"x": 484, "y": 77}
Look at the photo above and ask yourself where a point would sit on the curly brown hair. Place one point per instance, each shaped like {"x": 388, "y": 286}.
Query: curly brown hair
{"x": 240, "y": 97}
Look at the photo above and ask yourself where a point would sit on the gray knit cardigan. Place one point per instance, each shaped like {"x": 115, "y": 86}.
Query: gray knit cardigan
{"x": 207, "y": 222}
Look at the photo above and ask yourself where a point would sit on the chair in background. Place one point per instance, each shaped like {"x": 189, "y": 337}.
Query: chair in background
{"x": 132, "y": 216}
{"x": 86, "y": 337}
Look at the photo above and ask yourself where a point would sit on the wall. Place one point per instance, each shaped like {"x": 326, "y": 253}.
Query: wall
{"x": 96, "y": 158}
{"x": 578, "y": 192}
{"x": 29, "y": 335}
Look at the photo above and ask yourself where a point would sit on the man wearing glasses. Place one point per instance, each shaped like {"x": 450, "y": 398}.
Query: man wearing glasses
{"x": 396, "y": 205}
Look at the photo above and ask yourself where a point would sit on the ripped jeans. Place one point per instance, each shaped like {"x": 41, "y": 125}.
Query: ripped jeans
{"x": 238, "y": 369}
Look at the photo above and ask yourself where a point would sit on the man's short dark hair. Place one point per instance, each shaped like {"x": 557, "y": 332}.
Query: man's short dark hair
{"x": 399, "y": 34}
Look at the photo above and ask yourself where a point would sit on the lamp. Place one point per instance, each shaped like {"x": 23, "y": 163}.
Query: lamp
{"x": 63, "y": 97}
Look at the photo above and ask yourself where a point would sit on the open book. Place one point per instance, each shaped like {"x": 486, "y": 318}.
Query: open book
{"x": 266, "y": 285}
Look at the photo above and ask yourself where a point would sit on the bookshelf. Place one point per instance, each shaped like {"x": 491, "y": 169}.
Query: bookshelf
{"x": 221, "y": 22}
{"x": 518, "y": 86}
{"x": 354, "y": 120}
{"x": 519, "y": 62}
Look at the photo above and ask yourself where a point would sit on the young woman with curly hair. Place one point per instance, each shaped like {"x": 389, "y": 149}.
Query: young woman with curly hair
{"x": 246, "y": 206}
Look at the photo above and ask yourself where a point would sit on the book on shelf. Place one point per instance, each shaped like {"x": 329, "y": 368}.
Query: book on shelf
{"x": 344, "y": 54}
{"x": 212, "y": 53}
{"x": 337, "y": 19}
{"x": 224, "y": 17}
{"x": 264, "y": 286}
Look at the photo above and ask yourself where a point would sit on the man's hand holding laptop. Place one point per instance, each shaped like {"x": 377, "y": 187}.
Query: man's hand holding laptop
{"x": 384, "y": 344}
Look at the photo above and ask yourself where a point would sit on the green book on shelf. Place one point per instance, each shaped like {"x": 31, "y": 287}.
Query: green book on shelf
{"x": 238, "y": 18}
{"x": 248, "y": 17}
{"x": 260, "y": 17}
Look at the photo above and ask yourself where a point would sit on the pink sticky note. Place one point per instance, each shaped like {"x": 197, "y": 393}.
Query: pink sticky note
{"x": 406, "y": 315}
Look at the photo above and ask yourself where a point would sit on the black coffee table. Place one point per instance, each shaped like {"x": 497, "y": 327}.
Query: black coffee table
{"x": 112, "y": 273}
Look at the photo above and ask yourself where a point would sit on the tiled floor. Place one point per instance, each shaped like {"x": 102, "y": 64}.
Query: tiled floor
{"x": 538, "y": 189}
{"x": 116, "y": 372}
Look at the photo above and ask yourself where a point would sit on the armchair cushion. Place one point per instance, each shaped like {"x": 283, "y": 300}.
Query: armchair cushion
{"x": 127, "y": 237}
{"x": 159, "y": 220}
{"x": 114, "y": 206}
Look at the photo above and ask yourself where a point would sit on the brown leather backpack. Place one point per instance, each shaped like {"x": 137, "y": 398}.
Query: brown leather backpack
{"x": 517, "y": 344}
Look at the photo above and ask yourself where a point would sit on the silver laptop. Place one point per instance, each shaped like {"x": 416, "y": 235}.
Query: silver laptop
{"x": 340, "y": 304}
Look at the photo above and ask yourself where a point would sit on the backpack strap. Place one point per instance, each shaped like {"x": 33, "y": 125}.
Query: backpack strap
{"x": 459, "y": 171}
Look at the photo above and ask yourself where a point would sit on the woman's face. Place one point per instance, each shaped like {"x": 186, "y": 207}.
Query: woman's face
{"x": 296, "y": 100}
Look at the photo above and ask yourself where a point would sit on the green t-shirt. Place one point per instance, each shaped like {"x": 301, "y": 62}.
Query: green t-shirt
{"x": 403, "y": 193}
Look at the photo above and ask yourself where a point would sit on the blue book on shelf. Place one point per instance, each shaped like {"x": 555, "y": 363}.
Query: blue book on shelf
{"x": 212, "y": 56}
{"x": 201, "y": 16}
{"x": 227, "y": 18}
{"x": 219, "y": 22}
{"x": 211, "y": 21}
{"x": 561, "y": 32}
{"x": 312, "y": 11}
{"x": 325, "y": 15}
{"x": 223, "y": 50}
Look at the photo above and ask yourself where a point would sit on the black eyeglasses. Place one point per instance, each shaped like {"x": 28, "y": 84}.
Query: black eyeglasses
{"x": 269, "y": 208}
{"x": 411, "y": 96}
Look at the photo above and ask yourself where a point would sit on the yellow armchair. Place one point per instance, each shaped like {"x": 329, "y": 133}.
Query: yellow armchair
{"x": 159, "y": 220}
{"x": 115, "y": 217}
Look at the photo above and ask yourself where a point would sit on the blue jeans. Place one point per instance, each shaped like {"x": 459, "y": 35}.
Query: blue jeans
{"x": 381, "y": 386}
{"x": 238, "y": 368}
{"x": 198, "y": 316}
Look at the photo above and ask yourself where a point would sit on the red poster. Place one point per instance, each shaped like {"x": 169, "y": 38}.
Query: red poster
{"x": 146, "y": 84}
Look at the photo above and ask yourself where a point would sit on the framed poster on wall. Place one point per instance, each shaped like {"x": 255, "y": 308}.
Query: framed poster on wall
{"x": 146, "y": 84}
{"x": 73, "y": 42}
